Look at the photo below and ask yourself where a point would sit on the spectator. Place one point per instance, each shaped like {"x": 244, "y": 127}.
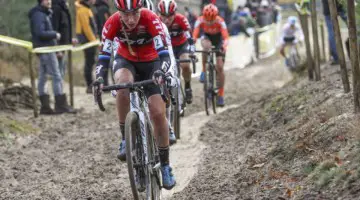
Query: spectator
{"x": 61, "y": 22}
{"x": 329, "y": 24}
{"x": 86, "y": 31}
{"x": 240, "y": 21}
{"x": 44, "y": 35}
{"x": 102, "y": 14}
{"x": 264, "y": 14}
{"x": 191, "y": 16}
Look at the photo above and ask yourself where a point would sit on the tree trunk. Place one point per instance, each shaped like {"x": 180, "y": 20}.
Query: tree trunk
{"x": 305, "y": 27}
{"x": 323, "y": 39}
{"x": 339, "y": 45}
{"x": 315, "y": 41}
{"x": 354, "y": 54}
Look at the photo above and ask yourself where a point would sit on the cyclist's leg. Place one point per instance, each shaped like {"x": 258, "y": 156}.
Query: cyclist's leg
{"x": 220, "y": 59}
{"x": 206, "y": 45}
{"x": 157, "y": 108}
{"x": 186, "y": 73}
{"x": 124, "y": 72}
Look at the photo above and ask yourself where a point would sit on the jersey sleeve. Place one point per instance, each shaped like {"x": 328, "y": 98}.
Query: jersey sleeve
{"x": 106, "y": 47}
{"x": 184, "y": 24}
{"x": 197, "y": 26}
{"x": 155, "y": 29}
{"x": 224, "y": 32}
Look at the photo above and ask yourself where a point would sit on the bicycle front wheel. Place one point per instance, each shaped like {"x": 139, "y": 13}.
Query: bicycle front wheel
{"x": 206, "y": 90}
{"x": 177, "y": 113}
{"x": 213, "y": 87}
{"x": 154, "y": 160}
{"x": 138, "y": 175}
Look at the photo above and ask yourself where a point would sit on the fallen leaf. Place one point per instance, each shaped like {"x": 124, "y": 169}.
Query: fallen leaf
{"x": 338, "y": 161}
{"x": 258, "y": 165}
{"x": 289, "y": 192}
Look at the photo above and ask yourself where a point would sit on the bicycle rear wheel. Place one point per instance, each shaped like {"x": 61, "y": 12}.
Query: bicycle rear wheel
{"x": 206, "y": 89}
{"x": 155, "y": 175}
{"x": 138, "y": 174}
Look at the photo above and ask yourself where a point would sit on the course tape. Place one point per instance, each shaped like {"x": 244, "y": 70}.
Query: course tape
{"x": 28, "y": 45}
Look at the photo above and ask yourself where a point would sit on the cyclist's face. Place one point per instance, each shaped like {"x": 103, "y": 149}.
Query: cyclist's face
{"x": 130, "y": 19}
{"x": 168, "y": 20}
{"x": 292, "y": 26}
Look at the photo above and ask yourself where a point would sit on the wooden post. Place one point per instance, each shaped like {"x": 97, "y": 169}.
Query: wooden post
{"x": 305, "y": 27}
{"x": 33, "y": 87}
{"x": 322, "y": 32}
{"x": 315, "y": 40}
{"x": 354, "y": 54}
{"x": 71, "y": 80}
{"x": 339, "y": 45}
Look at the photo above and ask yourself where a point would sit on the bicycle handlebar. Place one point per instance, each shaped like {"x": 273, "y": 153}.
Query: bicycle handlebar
{"x": 128, "y": 85}
{"x": 98, "y": 99}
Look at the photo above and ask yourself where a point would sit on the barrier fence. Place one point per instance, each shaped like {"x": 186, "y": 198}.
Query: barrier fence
{"x": 261, "y": 41}
{"x": 52, "y": 49}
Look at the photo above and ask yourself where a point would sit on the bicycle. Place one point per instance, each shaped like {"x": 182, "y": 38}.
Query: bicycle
{"x": 178, "y": 109}
{"x": 210, "y": 81}
{"x": 292, "y": 59}
{"x": 142, "y": 155}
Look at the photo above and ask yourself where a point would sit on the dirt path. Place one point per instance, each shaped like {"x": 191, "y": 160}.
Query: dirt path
{"x": 74, "y": 156}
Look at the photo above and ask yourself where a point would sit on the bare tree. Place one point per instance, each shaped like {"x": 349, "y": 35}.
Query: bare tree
{"x": 315, "y": 41}
{"x": 354, "y": 53}
{"x": 339, "y": 45}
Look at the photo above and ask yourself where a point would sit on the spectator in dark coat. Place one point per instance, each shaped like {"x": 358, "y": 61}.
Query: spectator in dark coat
{"x": 329, "y": 24}
{"x": 102, "y": 14}
{"x": 61, "y": 21}
{"x": 43, "y": 35}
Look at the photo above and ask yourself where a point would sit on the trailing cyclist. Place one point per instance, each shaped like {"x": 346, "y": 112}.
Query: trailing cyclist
{"x": 142, "y": 51}
{"x": 149, "y": 5}
{"x": 215, "y": 34}
{"x": 291, "y": 34}
{"x": 181, "y": 39}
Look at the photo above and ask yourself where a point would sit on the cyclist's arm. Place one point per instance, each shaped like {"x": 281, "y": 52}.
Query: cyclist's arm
{"x": 156, "y": 30}
{"x": 196, "y": 32}
{"x": 185, "y": 26}
{"x": 106, "y": 48}
{"x": 224, "y": 34}
{"x": 170, "y": 48}
{"x": 300, "y": 32}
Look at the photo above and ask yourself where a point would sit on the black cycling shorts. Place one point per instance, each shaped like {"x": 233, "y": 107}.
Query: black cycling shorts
{"x": 217, "y": 41}
{"x": 289, "y": 39}
{"x": 181, "y": 49}
{"x": 141, "y": 71}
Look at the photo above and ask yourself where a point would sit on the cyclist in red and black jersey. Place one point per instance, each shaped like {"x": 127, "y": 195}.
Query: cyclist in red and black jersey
{"x": 143, "y": 52}
{"x": 182, "y": 42}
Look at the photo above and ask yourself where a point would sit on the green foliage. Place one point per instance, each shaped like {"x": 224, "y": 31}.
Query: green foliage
{"x": 14, "y": 19}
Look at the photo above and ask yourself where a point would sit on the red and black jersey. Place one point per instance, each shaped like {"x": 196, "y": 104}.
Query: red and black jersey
{"x": 178, "y": 30}
{"x": 141, "y": 44}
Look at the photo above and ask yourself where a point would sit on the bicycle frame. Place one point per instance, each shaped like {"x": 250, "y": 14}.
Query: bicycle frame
{"x": 140, "y": 107}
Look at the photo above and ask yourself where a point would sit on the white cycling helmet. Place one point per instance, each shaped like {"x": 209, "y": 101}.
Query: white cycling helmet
{"x": 292, "y": 20}
{"x": 264, "y": 3}
{"x": 149, "y": 5}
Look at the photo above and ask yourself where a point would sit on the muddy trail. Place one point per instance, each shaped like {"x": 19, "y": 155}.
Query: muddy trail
{"x": 74, "y": 156}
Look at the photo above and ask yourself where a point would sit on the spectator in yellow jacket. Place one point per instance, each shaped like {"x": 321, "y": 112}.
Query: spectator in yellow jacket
{"x": 86, "y": 31}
